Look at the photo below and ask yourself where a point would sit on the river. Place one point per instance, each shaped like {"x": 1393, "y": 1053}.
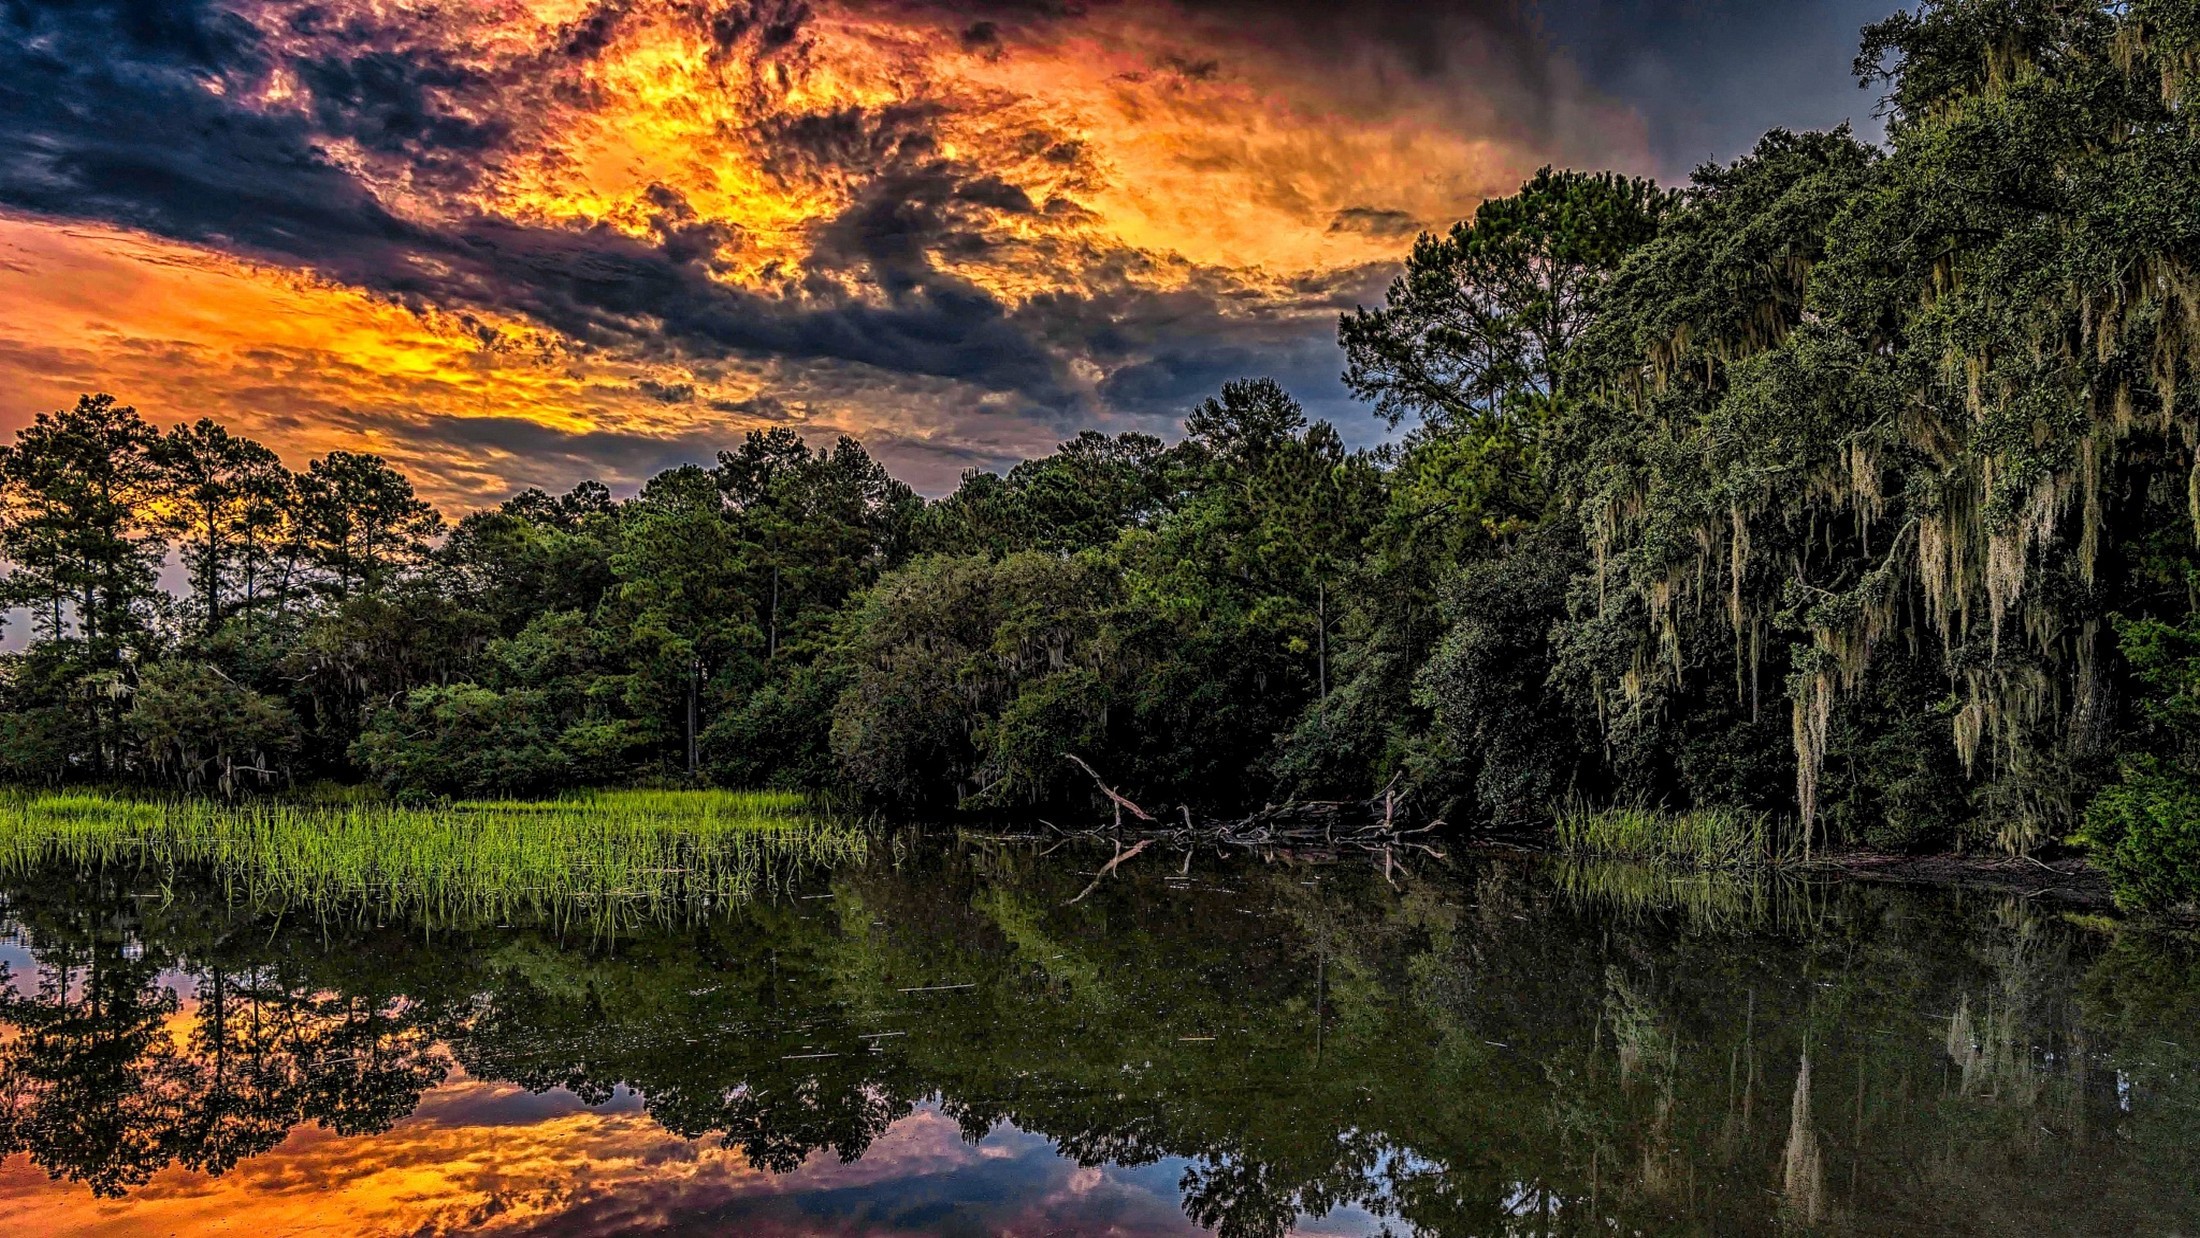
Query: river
{"x": 944, "y": 1038}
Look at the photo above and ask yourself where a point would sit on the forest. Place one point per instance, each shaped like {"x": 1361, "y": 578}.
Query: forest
{"x": 1850, "y": 483}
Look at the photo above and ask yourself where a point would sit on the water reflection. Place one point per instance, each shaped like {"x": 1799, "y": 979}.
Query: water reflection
{"x": 939, "y": 1041}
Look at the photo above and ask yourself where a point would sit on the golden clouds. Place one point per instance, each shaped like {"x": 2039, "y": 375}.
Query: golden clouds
{"x": 640, "y": 226}
{"x": 1145, "y": 126}
{"x": 302, "y": 364}
{"x": 1231, "y": 153}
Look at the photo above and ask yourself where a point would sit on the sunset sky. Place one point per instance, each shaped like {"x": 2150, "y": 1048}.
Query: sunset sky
{"x": 513, "y": 242}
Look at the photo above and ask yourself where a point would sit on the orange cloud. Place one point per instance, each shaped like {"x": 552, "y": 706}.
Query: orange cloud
{"x": 511, "y": 243}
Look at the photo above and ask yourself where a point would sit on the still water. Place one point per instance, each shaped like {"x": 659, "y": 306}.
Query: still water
{"x": 939, "y": 1040}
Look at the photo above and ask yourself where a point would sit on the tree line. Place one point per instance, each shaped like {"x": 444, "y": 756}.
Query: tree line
{"x": 1855, "y": 483}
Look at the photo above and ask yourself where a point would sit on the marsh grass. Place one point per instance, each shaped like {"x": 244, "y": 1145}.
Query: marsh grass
{"x": 1698, "y": 838}
{"x": 616, "y": 854}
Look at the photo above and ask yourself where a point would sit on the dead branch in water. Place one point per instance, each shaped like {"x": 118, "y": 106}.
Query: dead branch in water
{"x": 1120, "y": 856}
{"x": 1378, "y": 825}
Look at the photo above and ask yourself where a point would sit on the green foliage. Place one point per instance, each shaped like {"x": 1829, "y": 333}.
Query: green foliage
{"x": 1807, "y": 489}
{"x": 1487, "y": 682}
{"x": 514, "y": 567}
{"x": 780, "y": 736}
{"x": 463, "y": 740}
{"x": 358, "y": 523}
{"x": 1480, "y": 325}
{"x": 227, "y": 499}
{"x": 2144, "y": 829}
{"x": 1896, "y": 428}
{"x": 1079, "y": 498}
{"x": 76, "y": 497}
{"x": 941, "y": 658}
{"x": 197, "y": 726}
{"x": 1892, "y": 779}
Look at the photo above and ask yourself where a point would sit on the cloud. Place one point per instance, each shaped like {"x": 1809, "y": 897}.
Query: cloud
{"x": 490, "y": 1158}
{"x": 1710, "y": 76}
{"x": 957, "y": 228}
{"x": 1375, "y": 221}
{"x": 142, "y": 138}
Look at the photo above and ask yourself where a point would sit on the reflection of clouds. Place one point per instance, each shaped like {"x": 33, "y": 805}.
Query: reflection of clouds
{"x": 491, "y": 1158}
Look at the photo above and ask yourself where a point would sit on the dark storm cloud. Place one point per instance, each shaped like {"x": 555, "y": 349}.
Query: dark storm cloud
{"x": 530, "y": 453}
{"x": 1164, "y": 352}
{"x": 667, "y": 393}
{"x": 1375, "y": 221}
{"x": 767, "y": 408}
{"x": 512, "y": 453}
{"x": 391, "y": 104}
{"x": 982, "y": 36}
{"x": 1488, "y": 54}
{"x": 803, "y": 144}
{"x": 1709, "y": 76}
{"x": 604, "y": 287}
{"x": 129, "y": 129}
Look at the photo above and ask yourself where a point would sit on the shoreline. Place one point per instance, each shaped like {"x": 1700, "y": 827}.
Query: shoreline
{"x": 2071, "y": 882}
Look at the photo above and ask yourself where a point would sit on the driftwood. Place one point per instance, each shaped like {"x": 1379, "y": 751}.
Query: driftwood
{"x": 1381, "y": 827}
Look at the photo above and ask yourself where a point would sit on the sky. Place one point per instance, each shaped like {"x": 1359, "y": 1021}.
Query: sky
{"x": 525, "y": 242}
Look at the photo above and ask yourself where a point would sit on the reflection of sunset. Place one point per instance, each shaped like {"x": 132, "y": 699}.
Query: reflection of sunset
{"x": 512, "y": 243}
{"x": 491, "y": 1158}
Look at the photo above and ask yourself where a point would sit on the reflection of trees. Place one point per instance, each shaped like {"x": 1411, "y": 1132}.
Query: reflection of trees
{"x": 111, "y": 1076}
{"x": 269, "y": 1053}
{"x": 1239, "y": 1195}
{"x": 89, "y": 1080}
{"x": 1481, "y": 1056}
{"x": 730, "y": 1029}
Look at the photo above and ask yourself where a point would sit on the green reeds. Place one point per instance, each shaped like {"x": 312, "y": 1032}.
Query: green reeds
{"x": 1697, "y": 838}
{"x": 628, "y": 854}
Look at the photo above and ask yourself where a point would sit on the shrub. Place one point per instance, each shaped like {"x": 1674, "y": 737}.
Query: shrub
{"x": 2144, "y": 832}
{"x": 462, "y": 740}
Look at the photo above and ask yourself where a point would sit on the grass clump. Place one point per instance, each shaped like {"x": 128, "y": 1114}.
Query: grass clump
{"x": 1695, "y": 838}
{"x": 626, "y": 853}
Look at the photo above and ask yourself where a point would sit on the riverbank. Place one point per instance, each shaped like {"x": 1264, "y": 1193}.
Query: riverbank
{"x": 2071, "y": 881}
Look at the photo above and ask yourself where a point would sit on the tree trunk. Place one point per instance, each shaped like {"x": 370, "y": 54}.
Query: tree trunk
{"x": 695, "y": 680}
{"x": 1321, "y": 617}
